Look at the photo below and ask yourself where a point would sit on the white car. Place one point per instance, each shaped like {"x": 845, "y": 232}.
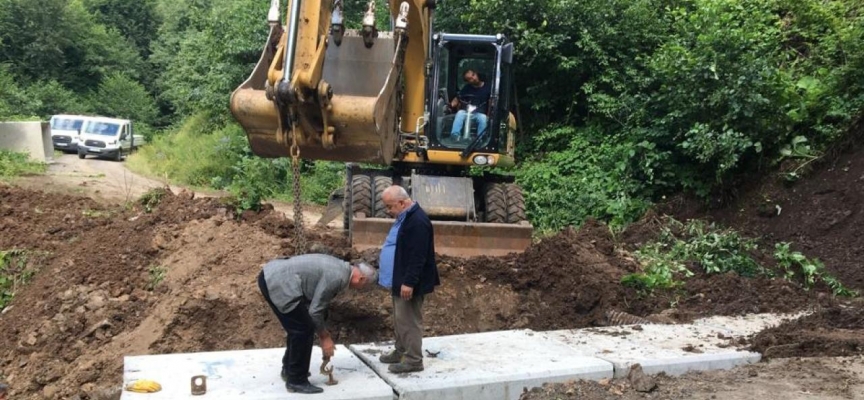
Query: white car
{"x": 65, "y": 130}
{"x": 107, "y": 137}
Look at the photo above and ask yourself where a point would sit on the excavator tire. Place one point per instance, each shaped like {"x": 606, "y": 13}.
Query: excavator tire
{"x": 496, "y": 203}
{"x": 381, "y": 184}
{"x": 515, "y": 204}
{"x": 362, "y": 195}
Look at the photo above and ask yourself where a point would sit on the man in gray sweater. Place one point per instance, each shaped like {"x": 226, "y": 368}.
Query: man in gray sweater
{"x": 298, "y": 290}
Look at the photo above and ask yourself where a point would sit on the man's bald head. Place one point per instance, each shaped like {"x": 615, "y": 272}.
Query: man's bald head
{"x": 396, "y": 200}
{"x": 396, "y": 192}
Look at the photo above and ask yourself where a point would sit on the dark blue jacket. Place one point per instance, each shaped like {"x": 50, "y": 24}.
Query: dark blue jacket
{"x": 414, "y": 261}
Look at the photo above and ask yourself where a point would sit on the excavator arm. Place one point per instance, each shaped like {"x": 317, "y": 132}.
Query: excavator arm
{"x": 336, "y": 92}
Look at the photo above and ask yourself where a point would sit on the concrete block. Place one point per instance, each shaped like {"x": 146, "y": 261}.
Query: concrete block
{"x": 485, "y": 366}
{"x": 746, "y": 325}
{"x": 673, "y": 349}
{"x": 249, "y": 374}
{"x": 33, "y": 138}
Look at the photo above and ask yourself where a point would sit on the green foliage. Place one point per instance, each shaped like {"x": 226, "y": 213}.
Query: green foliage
{"x": 193, "y": 154}
{"x": 693, "y": 93}
{"x": 13, "y": 274}
{"x": 704, "y": 246}
{"x": 14, "y": 164}
{"x": 156, "y": 274}
{"x": 151, "y": 199}
{"x": 206, "y": 51}
{"x": 122, "y": 97}
{"x": 811, "y": 270}
{"x": 137, "y": 21}
{"x": 252, "y": 181}
{"x": 319, "y": 180}
{"x": 683, "y": 247}
{"x": 585, "y": 178}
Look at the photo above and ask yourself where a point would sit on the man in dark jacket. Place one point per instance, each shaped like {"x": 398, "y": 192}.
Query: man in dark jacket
{"x": 299, "y": 290}
{"x": 407, "y": 268}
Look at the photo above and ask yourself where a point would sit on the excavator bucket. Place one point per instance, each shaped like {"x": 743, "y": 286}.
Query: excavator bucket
{"x": 458, "y": 239}
{"x": 364, "y": 82}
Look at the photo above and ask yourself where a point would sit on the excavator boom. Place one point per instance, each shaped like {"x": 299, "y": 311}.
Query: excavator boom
{"x": 323, "y": 92}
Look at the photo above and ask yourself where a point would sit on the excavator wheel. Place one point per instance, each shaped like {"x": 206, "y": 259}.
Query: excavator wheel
{"x": 496, "y": 203}
{"x": 381, "y": 183}
{"x": 361, "y": 195}
{"x": 515, "y": 204}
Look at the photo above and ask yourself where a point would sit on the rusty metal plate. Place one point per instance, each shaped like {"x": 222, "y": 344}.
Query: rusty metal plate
{"x": 444, "y": 196}
{"x": 458, "y": 239}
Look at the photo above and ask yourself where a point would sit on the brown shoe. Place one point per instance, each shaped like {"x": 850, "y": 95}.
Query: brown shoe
{"x": 404, "y": 368}
{"x": 392, "y": 357}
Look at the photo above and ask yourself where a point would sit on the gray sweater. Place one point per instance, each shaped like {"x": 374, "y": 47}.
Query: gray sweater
{"x": 314, "y": 279}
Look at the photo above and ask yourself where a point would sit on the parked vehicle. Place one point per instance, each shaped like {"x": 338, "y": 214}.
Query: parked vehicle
{"x": 65, "y": 130}
{"x": 107, "y": 137}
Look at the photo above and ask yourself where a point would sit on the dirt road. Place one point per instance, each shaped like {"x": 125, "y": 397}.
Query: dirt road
{"x": 110, "y": 182}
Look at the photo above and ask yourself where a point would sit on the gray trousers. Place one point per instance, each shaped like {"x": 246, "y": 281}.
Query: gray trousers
{"x": 408, "y": 324}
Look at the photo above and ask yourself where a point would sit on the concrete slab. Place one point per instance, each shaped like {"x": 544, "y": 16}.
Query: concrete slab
{"x": 249, "y": 374}
{"x": 746, "y": 325}
{"x": 673, "y": 349}
{"x": 491, "y": 365}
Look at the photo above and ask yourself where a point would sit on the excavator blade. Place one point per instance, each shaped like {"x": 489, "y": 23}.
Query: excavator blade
{"x": 458, "y": 239}
{"x": 364, "y": 82}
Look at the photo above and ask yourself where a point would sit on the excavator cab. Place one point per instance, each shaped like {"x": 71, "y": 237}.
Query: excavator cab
{"x": 481, "y": 124}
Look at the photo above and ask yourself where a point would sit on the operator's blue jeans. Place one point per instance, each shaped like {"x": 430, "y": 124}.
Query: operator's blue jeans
{"x": 459, "y": 122}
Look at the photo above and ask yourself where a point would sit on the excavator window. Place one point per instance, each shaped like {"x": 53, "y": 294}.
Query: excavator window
{"x": 453, "y": 61}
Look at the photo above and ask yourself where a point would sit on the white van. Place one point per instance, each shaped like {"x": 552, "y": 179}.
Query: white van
{"x": 65, "y": 130}
{"x": 107, "y": 137}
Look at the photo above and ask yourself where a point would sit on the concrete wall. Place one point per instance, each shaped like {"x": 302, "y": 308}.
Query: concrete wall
{"x": 30, "y": 137}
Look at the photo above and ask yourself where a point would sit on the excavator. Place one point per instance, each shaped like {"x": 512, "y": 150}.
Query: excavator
{"x": 381, "y": 101}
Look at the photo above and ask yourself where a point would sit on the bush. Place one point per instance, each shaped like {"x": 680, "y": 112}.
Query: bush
{"x": 192, "y": 155}
{"x": 584, "y": 179}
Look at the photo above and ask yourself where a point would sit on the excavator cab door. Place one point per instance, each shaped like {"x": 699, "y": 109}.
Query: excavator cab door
{"x": 477, "y": 122}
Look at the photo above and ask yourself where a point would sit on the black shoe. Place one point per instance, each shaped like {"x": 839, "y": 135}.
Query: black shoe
{"x": 404, "y": 368}
{"x": 392, "y": 357}
{"x": 305, "y": 388}
{"x": 284, "y": 375}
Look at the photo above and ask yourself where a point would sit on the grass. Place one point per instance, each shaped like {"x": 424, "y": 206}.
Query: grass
{"x": 219, "y": 158}
{"x": 157, "y": 274}
{"x": 14, "y": 273}
{"x": 14, "y": 164}
{"x": 190, "y": 155}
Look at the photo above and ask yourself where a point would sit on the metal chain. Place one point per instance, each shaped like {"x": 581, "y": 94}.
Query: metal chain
{"x": 299, "y": 231}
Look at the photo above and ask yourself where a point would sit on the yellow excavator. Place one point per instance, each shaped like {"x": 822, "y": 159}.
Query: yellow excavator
{"x": 381, "y": 102}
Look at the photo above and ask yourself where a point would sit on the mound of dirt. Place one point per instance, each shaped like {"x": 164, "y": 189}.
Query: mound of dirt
{"x": 822, "y": 215}
{"x": 790, "y": 379}
{"x": 836, "y": 331}
{"x": 117, "y": 281}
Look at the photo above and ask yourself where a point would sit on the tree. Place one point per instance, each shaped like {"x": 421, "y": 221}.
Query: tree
{"x": 121, "y": 97}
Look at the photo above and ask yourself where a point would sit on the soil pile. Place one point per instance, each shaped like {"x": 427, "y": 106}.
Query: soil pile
{"x": 116, "y": 281}
{"x": 836, "y": 331}
{"x": 794, "y": 379}
{"x": 822, "y": 214}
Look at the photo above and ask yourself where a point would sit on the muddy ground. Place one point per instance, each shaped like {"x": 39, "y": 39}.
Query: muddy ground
{"x": 116, "y": 278}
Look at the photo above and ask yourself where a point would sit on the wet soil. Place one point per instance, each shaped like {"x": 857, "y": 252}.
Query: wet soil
{"x": 790, "y": 379}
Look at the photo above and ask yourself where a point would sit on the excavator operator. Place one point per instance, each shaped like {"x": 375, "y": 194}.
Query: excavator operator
{"x": 475, "y": 93}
